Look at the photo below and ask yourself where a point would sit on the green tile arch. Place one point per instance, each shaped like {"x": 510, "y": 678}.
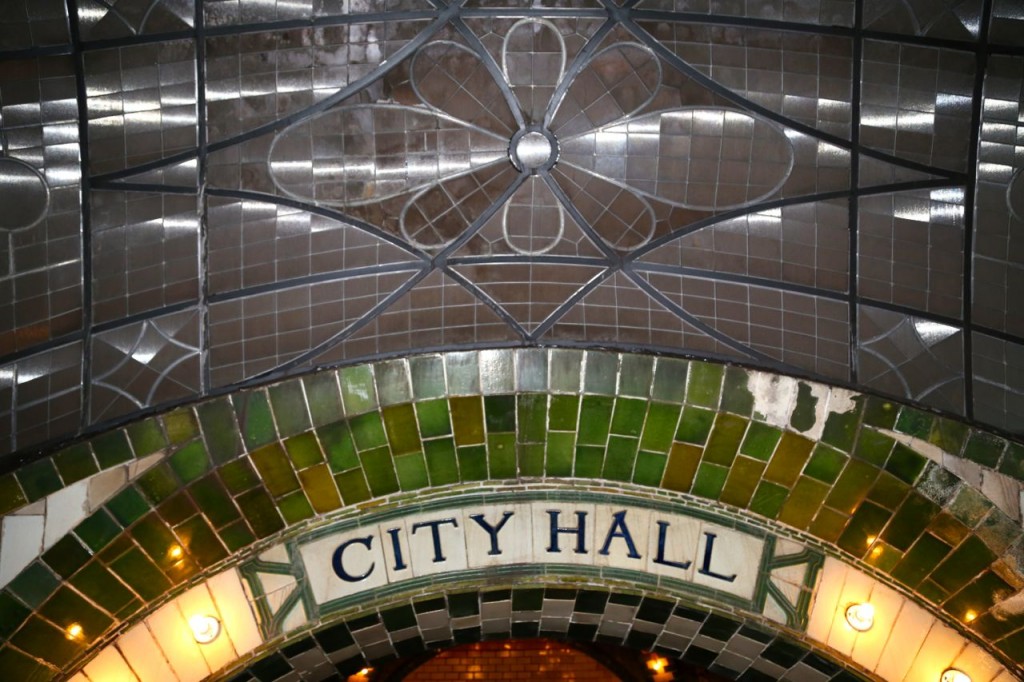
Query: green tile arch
{"x": 247, "y": 467}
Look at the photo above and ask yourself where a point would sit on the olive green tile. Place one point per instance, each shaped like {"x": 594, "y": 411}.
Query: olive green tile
{"x": 177, "y": 508}
{"x": 323, "y": 396}
{"x": 978, "y": 596}
{"x": 358, "y": 390}
{"x": 880, "y": 413}
{"x": 463, "y": 373}
{"x": 560, "y": 455}
{"x": 442, "y": 463}
{"x": 236, "y": 536}
{"x": 379, "y": 469}
{"x": 412, "y": 471}
{"x": 565, "y": 366}
{"x": 863, "y": 529}
{"x": 695, "y": 425}
{"x": 768, "y": 499}
{"x": 888, "y": 491}
{"x": 710, "y": 480}
{"x": 319, "y": 486}
{"x": 805, "y": 413}
{"x": 19, "y": 666}
{"x": 295, "y": 507}
{"x": 139, "y": 573}
{"x": 948, "y": 528}
{"x": 532, "y": 415}
{"x": 563, "y": 412}
{"x": 180, "y": 425}
{"x": 158, "y": 483}
{"x": 219, "y": 430}
{"x": 635, "y": 375}
{"x": 501, "y": 453}
{"x": 963, "y": 565}
{"x": 393, "y": 382}
{"x": 127, "y": 506}
{"x": 336, "y": 440}
{"x": 649, "y": 468}
{"x": 619, "y": 460}
{"x": 434, "y": 421}
{"x": 744, "y": 475}
{"x": 402, "y": 428}
{"x": 304, "y": 450}
{"x": 112, "y": 448}
{"x": 873, "y": 447}
{"x": 530, "y": 459}
{"x": 999, "y": 531}
{"x": 791, "y": 454}
{"x": 532, "y": 370}
{"x": 100, "y": 585}
{"x": 918, "y": 562}
{"x": 905, "y": 464}
{"x": 628, "y": 417}
{"x": 841, "y": 428}
{"x": 670, "y": 380}
{"x": 914, "y": 422}
{"x": 660, "y": 427}
{"x": 11, "y": 495}
{"x": 1012, "y": 463}
{"x": 260, "y": 511}
{"x": 352, "y": 486}
{"x": 467, "y": 420}
{"x": 682, "y": 466}
{"x": 472, "y": 462}
{"x": 75, "y": 463}
{"x": 238, "y": 476}
{"x": 34, "y": 584}
{"x": 66, "y": 607}
{"x": 427, "y": 377}
{"x": 44, "y": 641}
{"x": 736, "y": 396}
{"x": 213, "y": 499}
{"x": 39, "y": 479}
{"x": 252, "y": 409}
{"x": 760, "y": 441}
{"x": 970, "y": 506}
{"x": 825, "y": 464}
{"x": 600, "y": 374}
{"x": 155, "y": 538}
{"x": 275, "y": 469}
{"x": 190, "y": 462}
{"x": 589, "y": 461}
{"x": 146, "y": 437}
{"x": 595, "y": 419}
{"x": 725, "y": 439}
{"x": 804, "y": 500}
{"x": 985, "y": 449}
{"x": 828, "y": 524}
{"x": 883, "y": 556}
{"x": 12, "y": 614}
{"x": 368, "y": 431}
{"x": 97, "y": 530}
{"x": 852, "y": 486}
{"x": 704, "y": 384}
{"x": 1013, "y": 646}
{"x": 948, "y": 434}
{"x": 500, "y": 413}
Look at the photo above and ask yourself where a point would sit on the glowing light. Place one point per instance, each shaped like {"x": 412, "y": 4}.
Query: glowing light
{"x": 74, "y": 631}
{"x": 175, "y": 552}
{"x": 657, "y": 664}
{"x": 860, "y": 616}
{"x": 204, "y": 628}
{"x": 954, "y": 675}
{"x": 871, "y": 539}
{"x": 970, "y": 616}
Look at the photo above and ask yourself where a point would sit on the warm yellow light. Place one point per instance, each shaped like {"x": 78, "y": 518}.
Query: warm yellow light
{"x": 860, "y": 616}
{"x": 871, "y": 539}
{"x": 876, "y": 552}
{"x": 954, "y": 675}
{"x": 74, "y": 631}
{"x": 204, "y": 628}
{"x": 657, "y": 663}
{"x": 175, "y": 552}
{"x": 970, "y": 616}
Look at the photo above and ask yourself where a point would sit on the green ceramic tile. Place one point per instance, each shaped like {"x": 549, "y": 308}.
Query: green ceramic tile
{"x": 565, "y": 369}
{"x": 433, "y": 419}
{"x": 682, "y": 466}
{"x": 472, "y": 462}
{"x": 158, "y": 483}
{"x": 999, "y": 531}
{"x": 98, "y": 530}
{"x": 467, "y": 420}
{"x": 948, "y": 528}
{"x": 948, "y": 435}
{"x": 880, "y": 413}
{"x": 252, "y": 409}
{"x": 295, "y": 507}
{"x": 128, "y": 505}
{"x": 1012, "y": 463}
{"x": 888, "y": 491}
{"x": 304, "y": 450}
{"x": 964, "y": 564}
{"x": 736, "y": 396}
{"x": 427, "y": 377}
{"x": 532, "y": 370}
{"x": 635, "y": 375}
{"x": 463, "y": 373}
{"x": 219, "y": 430}
{"x": 970, "y": 506}
{"x": 695, "y": 425}
{"x": 336, "y": 440}
{"x": 530, "y": 459}
{"x": 805, "y": 413}
{"x": 44, "y": 641}
{"x": 883, "y": 556}
{"x": 561, "y": 453}
{"x": 146, "y": 437}
{"x": 500, "y": 412}
{"x": 177, "y": 508}
{"x": 210, "y": 495}
{"x": 100, "y": 585}
{"x": 380, "y": 471}
{"x": 319, "y": 486}
{"x": 260, "y": 511}
{"x": 619, "y": 460}
{"x": 139, "y": 573}
{"x": 649, "y": 468}
{"x": 1013, "y": 646}
{"x": 275, "y": 469}
{"x": 352, "y": 486}
{"x": 914, "y": 422}
{"x": 852, "y": 486}
{"x": 34, "y": 584}
{"x": 660, "y": 427}
{"x": 760, "y": 441}
{"x": 905, "y": 464}
{"x": 704, "y": 385}
{"x": 589, "y": 461}
{"x": 828, "y": 524}
{"x": 289, "y": 404}
{"x": 725, "y": 439}
{"x": 12, "y": 614}
{"x": 563, "y": 412}
{"x": 873, "y": 447}
{"x": 358, "y": 390}
{"x": 628, "y": 417}
{"x": 11, "y": 495}
{"x": 670, "y": 380}
{"x": 22, "y": 667}
{"x": 238, "y": 476}
{"x": 66, "y": 607}
{"x": 978, "y": 596}
{"x": 710, "y": 480}
{"x": 501, "y": 453}
{"x": 236, "y": 536}
{"x": 190, "y": 462}
{"x": 864, "y": 528}
{"x": 393, "y": 385}
{"x": 532, "y": 415}
{"x": 323, "y": 395}
{"x": 75, "y": 463}
{"x": 412, "y": 471}
{"x": 39, "y": 479}
{"x": 181, "y": 426}
{"x": 825, "y": 464}
{"x": 112, "y": 448}
{"x": 768, "y": 499}
{"x": 155, "y": 538}
{"x": 744, "y": 475}
{"x": 600, "y": 374}
{"x": 804, "y": 500}
{"x": 841, "y": 428}
{"x": 368, "y": 431}
{"x": 402, "y": 428}
{"x": 595, "y": 419}
{"x": 442, "y": 464}
{"x": 985, "y": 449}
{"x": 791, "y": 454}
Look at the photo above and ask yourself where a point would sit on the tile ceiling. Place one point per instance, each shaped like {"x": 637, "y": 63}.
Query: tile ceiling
{"x": 204, "y": 194}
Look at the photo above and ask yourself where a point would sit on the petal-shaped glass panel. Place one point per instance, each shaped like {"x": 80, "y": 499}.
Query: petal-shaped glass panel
{"x": 532, "y": 220}
{"x": 533, "y": 58}
{"x": 623, "y": 220}
{"x": 617, "y": 82}
{"x": 450, "y": 77}
{"x": 706, "y": 157}
{"x": 360, "y": 154}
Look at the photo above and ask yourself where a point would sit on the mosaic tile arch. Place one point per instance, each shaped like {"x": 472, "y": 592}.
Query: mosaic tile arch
{"x": 925, "y": 503}
{"x": 213, "y": 194}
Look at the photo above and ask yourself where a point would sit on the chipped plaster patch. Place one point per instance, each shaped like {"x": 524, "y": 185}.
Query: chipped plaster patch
{"x": 774, "y": 397}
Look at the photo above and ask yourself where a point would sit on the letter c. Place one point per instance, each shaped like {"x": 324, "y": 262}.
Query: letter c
{"x": 336, "y": 562}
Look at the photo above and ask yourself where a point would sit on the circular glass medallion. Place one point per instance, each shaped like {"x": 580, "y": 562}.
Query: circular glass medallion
{"x": 532, "y": 151}
{"x": 23, "y": 194}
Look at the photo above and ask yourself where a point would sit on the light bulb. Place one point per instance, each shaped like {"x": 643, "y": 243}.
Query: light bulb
{"x": 860, "y": 616}
{"x": 74, "y": 631}
{"x": 204, "y": 628}
{"x": 954, "y": 675}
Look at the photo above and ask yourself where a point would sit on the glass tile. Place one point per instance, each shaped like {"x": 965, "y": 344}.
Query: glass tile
{"x": 744, "y": 476}
{"x": 530, "y": 457}
{"x": 358, "y": 389}
{"x": 595, "y": 419}
{"x": 146, "y": 437}
{"x": 275, "y": 469}
{"x": 254, "y": 418}
{"x": 963, "y": 564}
{"x": 682, "y": 466}
{"x": 39, "y": 638}
{"x": 788, "y": 461}
{"x": 324, "y": 397}
{"x": 181, "y": 425}
{"x": 127, "y": 506}
{"x": 563, "y": 412}
{"x": 561, "y": 451}
{"x": 34, "y": 584}
{"x": 158, "y": 483}
{"x": 289, "y": 404}
{"x": 139, "y": 573}
{"x": 472, "y": 462}
{"x": 295, "y": 507}
{"x": 463, "y": 373}
{"x": 914, "y": 423}
{"x": 337, "y": 442}
{"x": 11, "y": 495}
{"x": 433, "y": 418}
{"x": 909, "y": 521}
{"x": 590, "y": 461}
{"x": 864, "y": 528}
{"x": 12, "y": 614}
{"x": 660, "y": 427}
{"x": 352, "y": 486}
{"x": 710, "y": 480}
{"x": 768, "y": 499}
{"x": 190, "y": 462}
{"x": 501, "y": 452}
{"x": 804, "y": 500}
{"x": 905, "y": 464}
{"x": 985, "y": 449}
{"x": 636, "y": 374}
{"x": 736, "y": 396}
{"x": 210, "y": 496}
{"x": 600, "y": 373}
{"x": 97, "y": 530}
{"x": 112, "y": 448}
{"x": 532, "y": 370}
{"x": 319, "y": 486}
{"x": 412, "y": 471}
{"x": 628, "y": 416}
{"x": 695, "y": 425}
{"x": 39, "y": 479}
{"x": 304, "y": 450}
{"x": 260, "y": 511}
{"x": 828, "y": 524}
{"x": 825, "y": 464}
{"x": 760, "y": 441}
{"x": 725, "y": 439}
{"x": 380, "y": 471}
{"x": 368, "y": 431}
{"x": 220, "y": 430}
{"x": 75, "y": 463}
{"x": 841, "y": 429}
{"x": 620, "y": 457}
{"x": 532, "y": 417}
{"x": 428, "y": 377}
{"x": 874, "y": 447}
{"x": 467, "y": 420}
{"x": 393, "y": 382}
{"x": 704, "y": 385}
{"x": 238, "y": 476}
{"x": 565, "y": 370}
